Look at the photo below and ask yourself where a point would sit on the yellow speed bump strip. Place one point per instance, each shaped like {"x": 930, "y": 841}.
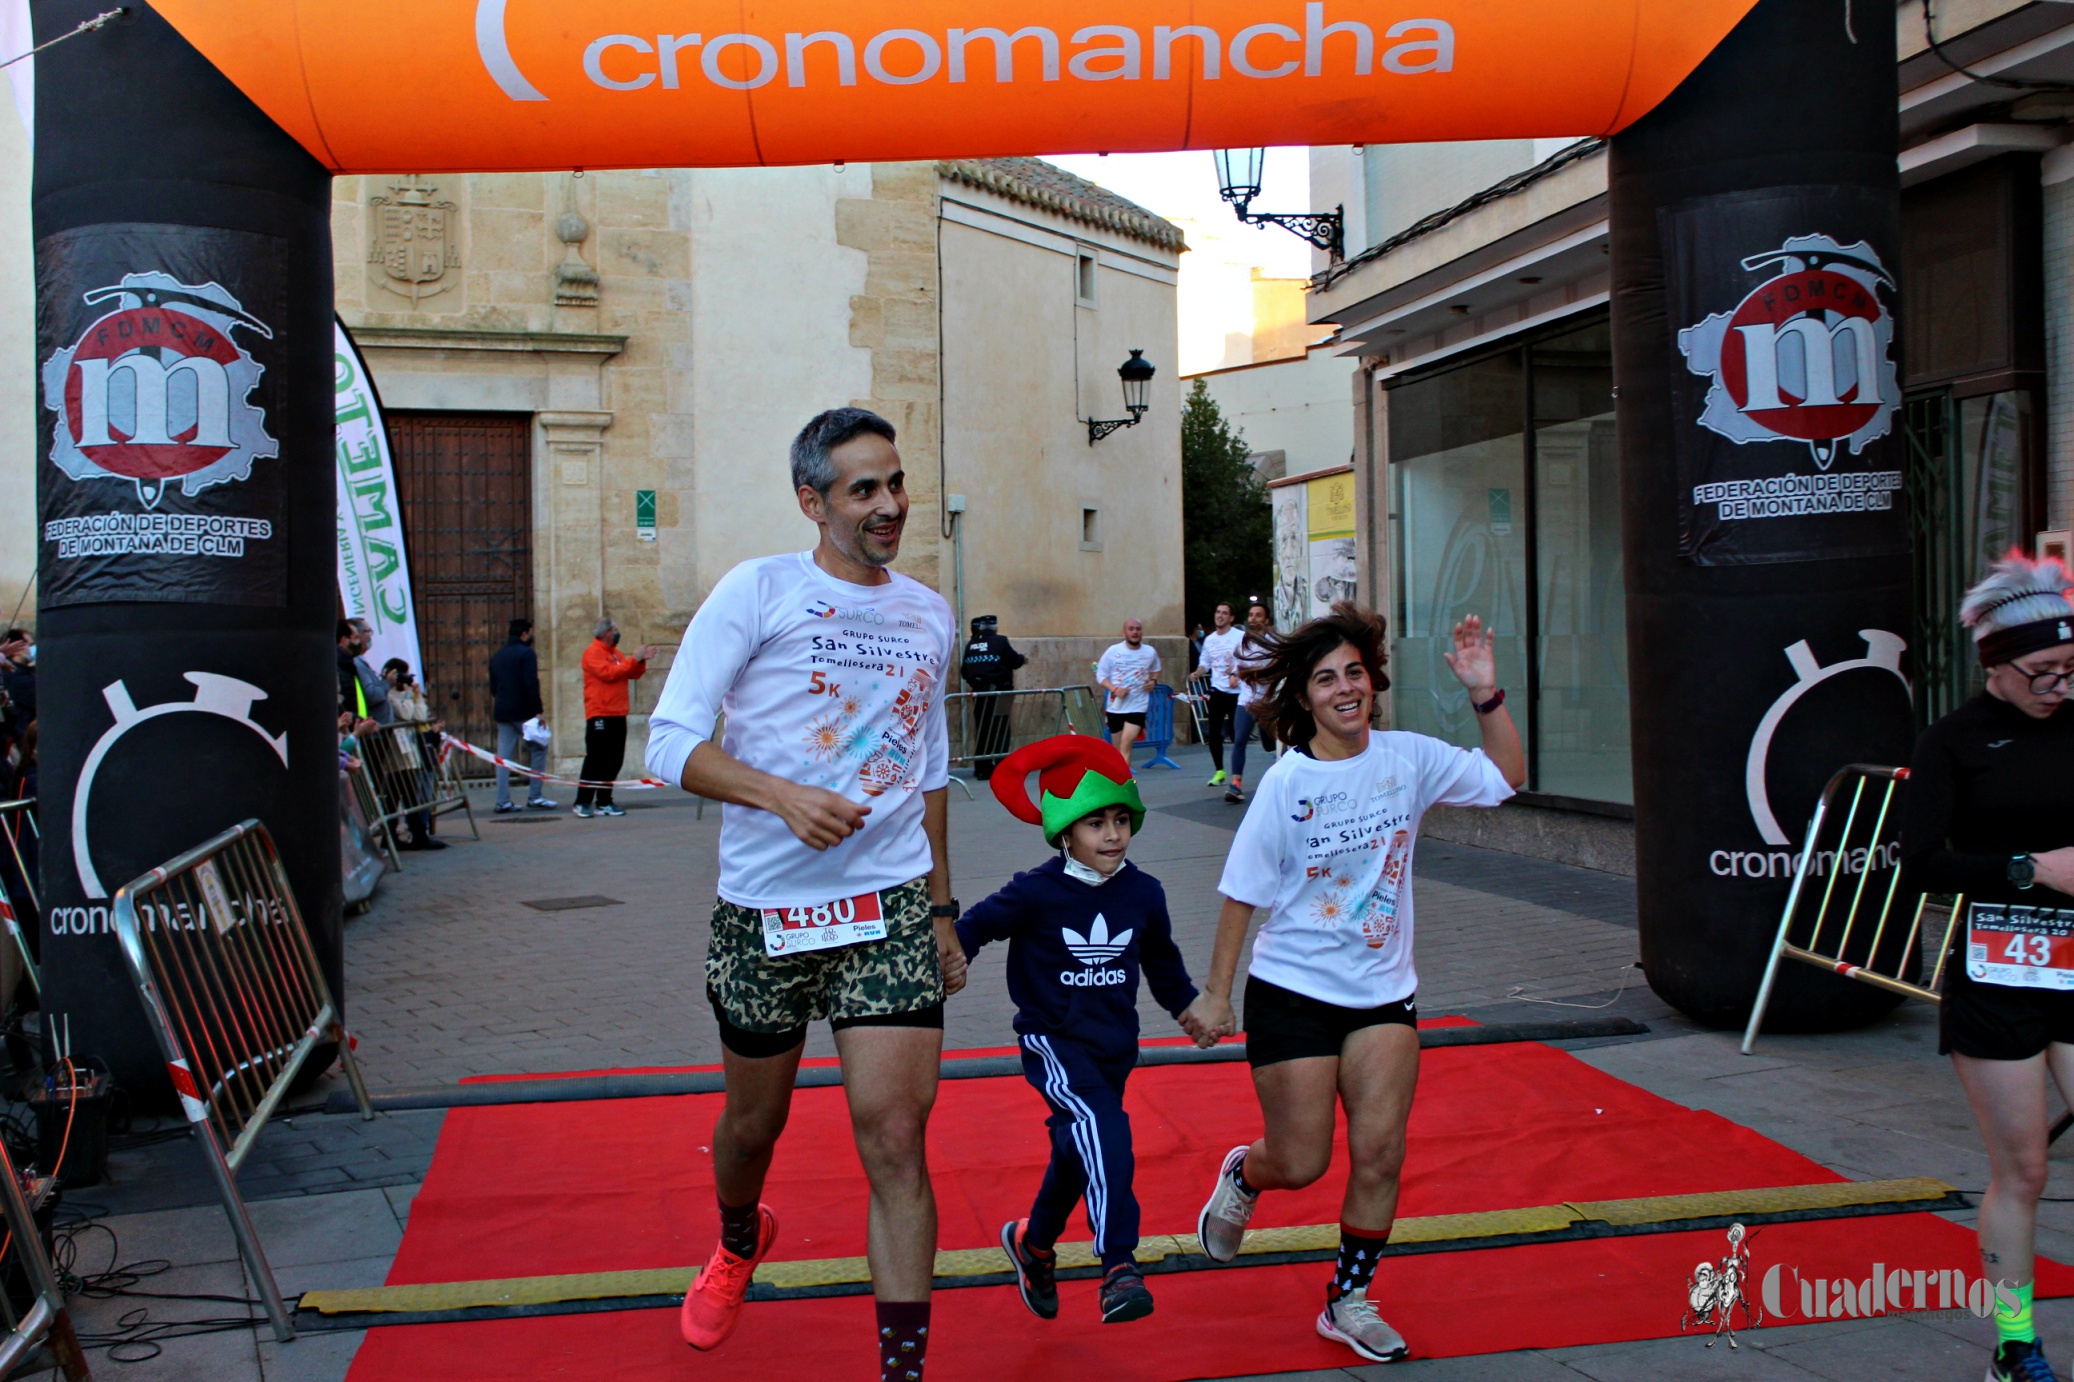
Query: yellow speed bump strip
{"x": 980, "y": 1262}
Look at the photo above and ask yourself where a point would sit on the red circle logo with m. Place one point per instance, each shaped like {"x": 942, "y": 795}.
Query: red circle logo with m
{"x": 1801, "y": 357}
{"x": 149, "y": 393}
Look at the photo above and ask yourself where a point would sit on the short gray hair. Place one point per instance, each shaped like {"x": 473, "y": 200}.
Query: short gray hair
{"x": 811, "y": 467}
{"x": 603, "y": 627}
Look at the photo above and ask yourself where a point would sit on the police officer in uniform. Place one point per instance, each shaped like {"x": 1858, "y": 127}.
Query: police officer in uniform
{"x": 989, "y": 665}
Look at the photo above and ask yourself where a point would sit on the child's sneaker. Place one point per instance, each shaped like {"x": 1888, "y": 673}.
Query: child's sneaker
{"x": 1124, "y": 1296}
{"x": 1035, "y": 1273}
{"x": 713, "y": 1305}
{"x": 2020, "y": 1361}
{"x": 1352, "y": 1320}
{"x": 1221, "y": 1227}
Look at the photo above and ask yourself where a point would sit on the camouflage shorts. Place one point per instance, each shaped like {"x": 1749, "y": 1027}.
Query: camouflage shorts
{"x": 775, "y": 993}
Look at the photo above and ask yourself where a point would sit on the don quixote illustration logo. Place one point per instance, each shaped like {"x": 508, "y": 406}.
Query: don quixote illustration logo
{"x": 159, "y": 390}
{"x": 1806, "y": 356}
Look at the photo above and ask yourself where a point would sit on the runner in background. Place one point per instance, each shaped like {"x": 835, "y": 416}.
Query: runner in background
{"x": 1989, "y": 813}
{"x": 1331, "y": 997}
{"x": 1127, "y": 671}
{"x": 1219, "y": 670}
{"x": 1251, "y": 657}
{"x": 835, "y": 894}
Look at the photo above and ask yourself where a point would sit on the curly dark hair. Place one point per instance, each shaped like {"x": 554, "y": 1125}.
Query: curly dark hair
{"x": 1287, "y": 672}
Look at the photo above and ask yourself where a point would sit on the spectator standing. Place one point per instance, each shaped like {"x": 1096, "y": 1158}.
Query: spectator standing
{"x": 989, "y": 664}
{"x": 607, "y": 678}
{"x": 359, "y": 689}
{"x": 409, "y": 705}
{"x": 515, "y": 699}
{"x": 1127, "y": 671}
{"x": 17, "y": 683}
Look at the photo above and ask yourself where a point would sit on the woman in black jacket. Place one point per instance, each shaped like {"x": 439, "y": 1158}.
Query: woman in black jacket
{"x": 1990, "y": 816}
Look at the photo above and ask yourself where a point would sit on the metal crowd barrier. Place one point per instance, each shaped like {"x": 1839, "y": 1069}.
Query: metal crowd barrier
{"x": 405, "y": 778}
{"x": 18, "y": 825}
{"x": 992, "y": 724}
{"x": 45, "y": 1322}
{"x": 1838, "y": 917}
{"x": 237, "y": 1000}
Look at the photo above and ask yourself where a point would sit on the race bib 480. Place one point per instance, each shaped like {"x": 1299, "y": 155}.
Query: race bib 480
{"x": 2020, "y": 947}
{"x": 823, "y": 926}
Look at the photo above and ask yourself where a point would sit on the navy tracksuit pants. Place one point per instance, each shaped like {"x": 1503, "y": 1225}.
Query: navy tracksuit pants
{"x": 1090, "y": 1144}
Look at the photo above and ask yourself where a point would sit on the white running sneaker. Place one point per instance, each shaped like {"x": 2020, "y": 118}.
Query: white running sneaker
{"x": 1221, "y": 1227}
{"x": 1352, "y": 1320}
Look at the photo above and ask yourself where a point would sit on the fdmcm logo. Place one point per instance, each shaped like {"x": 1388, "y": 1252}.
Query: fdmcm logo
{"x": 159, "y": 389}
{"x": 1806, "y": 356}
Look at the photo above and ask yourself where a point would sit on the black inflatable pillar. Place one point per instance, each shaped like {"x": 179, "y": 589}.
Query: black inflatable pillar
{"x": 184, "y": 486}
{"x": 1755, "y": 228}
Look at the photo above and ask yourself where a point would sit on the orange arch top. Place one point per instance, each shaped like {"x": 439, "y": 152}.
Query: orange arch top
{"x": 509, "y": 85}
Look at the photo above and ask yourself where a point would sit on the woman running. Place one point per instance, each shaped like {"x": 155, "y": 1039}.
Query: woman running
{"x": 1990, "y": 816}
{"x": 1252, "y": 655}
{"x": 1331, "y": 1010}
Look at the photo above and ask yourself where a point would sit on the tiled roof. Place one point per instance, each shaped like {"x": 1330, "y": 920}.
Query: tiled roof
{"x": 1036, "y": 183}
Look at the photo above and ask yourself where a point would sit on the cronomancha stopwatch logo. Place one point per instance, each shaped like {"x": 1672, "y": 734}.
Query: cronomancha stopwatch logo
{"x": 158, "y": 390}
{"x": 1806, "y": 356}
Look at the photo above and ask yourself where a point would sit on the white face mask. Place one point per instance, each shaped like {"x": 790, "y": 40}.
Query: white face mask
{"x": 1092, "y": 877}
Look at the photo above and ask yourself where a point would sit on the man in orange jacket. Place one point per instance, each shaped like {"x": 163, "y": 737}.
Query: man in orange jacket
{"x": 606, "y": 673}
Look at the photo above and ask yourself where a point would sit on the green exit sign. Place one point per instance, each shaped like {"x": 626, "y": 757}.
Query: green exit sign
{"x": 644, "y": 514}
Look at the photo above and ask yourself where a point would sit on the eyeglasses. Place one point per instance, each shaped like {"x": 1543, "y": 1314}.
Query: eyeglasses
{"x": 2045, "y": 683}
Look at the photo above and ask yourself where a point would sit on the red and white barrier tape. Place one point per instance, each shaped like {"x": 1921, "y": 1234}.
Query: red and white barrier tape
{"x": 486, "y": 756}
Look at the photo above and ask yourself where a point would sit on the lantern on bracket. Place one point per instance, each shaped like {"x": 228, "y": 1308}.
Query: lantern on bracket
{"x": 1136, "y": 374}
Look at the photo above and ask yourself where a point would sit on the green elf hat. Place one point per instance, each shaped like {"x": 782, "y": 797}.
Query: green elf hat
{"x": 1077, "y": 776}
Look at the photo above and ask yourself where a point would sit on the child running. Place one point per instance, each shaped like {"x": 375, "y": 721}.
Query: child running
{"x": 1078, "y": 928}
{"x": 1331, "y": 998}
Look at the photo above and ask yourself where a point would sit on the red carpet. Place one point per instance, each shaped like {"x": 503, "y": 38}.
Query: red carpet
{"x": 524, "y": 1190}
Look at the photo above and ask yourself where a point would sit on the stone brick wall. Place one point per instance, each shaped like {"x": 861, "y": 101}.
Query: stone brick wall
{"x": 2059, "y": 342}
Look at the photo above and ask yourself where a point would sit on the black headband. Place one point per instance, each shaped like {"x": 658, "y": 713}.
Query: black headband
{"x": 2007, "y": 645}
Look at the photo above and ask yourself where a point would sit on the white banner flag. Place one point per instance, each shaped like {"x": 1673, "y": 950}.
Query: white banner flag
{"x": 373, "y": 569}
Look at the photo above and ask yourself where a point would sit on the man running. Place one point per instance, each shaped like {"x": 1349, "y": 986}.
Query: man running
{"x": 830, "y": 669}
{"x": 1127, "y": 671}
{"x": 1220, "y": 670}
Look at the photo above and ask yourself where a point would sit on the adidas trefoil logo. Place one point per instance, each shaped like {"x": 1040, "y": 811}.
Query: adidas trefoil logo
{"x": 1097, "y": 947}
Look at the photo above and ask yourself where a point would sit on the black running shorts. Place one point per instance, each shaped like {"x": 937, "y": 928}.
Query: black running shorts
{"x": 1996, "y": 1022}
{"x": 1117, "y": 722}
{"x": 1282, "y": 1025}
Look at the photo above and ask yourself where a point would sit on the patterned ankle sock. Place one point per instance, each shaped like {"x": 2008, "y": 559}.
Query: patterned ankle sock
{"x": 1358, "y": 1255}
{"x": 738, "y": 1226}
{"x": 1238, "y": 1178}
{"x": 903, "y": 1339}
{"x": 2014, "y": 1325}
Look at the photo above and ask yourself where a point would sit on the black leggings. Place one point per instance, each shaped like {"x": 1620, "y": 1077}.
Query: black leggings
{"x": 1224, "y": 705}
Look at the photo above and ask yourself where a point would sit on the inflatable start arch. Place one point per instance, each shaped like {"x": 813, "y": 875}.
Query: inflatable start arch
{"x": 184, "y": 157}
{"x": 503, "y": 85}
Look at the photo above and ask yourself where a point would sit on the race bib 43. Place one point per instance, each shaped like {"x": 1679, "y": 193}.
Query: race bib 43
{"x": 2020, "y": 947}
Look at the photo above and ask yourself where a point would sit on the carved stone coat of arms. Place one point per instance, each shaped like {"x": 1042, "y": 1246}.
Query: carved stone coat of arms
{"x": 414, "y": 241}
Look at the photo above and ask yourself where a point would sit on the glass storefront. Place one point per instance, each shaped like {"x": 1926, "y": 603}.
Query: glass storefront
{"x": 1506, "y": 504}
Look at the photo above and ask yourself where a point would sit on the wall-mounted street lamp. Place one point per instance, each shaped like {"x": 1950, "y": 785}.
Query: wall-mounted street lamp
{"x": 1136, "y": 373}
{"x": 1238, "y": 182}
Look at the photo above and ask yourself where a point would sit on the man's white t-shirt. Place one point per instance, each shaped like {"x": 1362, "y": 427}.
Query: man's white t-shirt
{"x": 1221, "y": 656}
{"x": 1123, "y": 665}
{"x": 824, "y": 683}
{"x": 1327, "y": 846}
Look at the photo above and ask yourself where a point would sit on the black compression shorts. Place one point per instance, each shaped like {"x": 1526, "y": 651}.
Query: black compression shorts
{"x": 1996, "y": 1022}
{"x": 1282, "y": 1025}
{"x": 760, "y": 1045}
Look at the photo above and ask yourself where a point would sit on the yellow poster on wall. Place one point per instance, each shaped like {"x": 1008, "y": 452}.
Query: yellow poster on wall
{"x": 1334, "y": 572}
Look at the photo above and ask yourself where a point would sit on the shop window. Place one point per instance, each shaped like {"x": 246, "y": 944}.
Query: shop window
{"x": 1507, "y": 505}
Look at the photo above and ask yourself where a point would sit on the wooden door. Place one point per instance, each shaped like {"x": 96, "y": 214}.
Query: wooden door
{"x": 467, "y": 489}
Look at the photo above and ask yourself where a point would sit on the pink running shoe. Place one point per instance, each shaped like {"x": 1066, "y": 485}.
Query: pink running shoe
{"x": 713, "y": 1305}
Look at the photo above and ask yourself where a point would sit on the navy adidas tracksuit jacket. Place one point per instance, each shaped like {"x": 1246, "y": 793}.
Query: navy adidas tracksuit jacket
{"x": 1074, "y": 952}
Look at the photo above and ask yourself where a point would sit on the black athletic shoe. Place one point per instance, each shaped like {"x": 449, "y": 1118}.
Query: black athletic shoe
{"x": 1124, "y": 1296}
{"x": 2022, "y": 1361}
{"x": 1035, "y": 1275}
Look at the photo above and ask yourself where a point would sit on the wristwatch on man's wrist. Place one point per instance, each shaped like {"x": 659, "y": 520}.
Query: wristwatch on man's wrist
{"x": 947, "y": 910}
{"x": 2023, "y": 870}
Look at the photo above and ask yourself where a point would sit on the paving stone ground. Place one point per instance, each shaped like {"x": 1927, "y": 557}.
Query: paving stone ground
{"x": 451, "y": 974}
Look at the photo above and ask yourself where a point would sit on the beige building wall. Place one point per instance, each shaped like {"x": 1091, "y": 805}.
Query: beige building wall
{"x": 1059, "y": 538}
{"x": 671, "y": 330}
{"x": 17, "y": 378}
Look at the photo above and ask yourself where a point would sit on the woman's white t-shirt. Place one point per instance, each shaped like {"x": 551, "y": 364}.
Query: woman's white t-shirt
{"x": 1326, "y": 847}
